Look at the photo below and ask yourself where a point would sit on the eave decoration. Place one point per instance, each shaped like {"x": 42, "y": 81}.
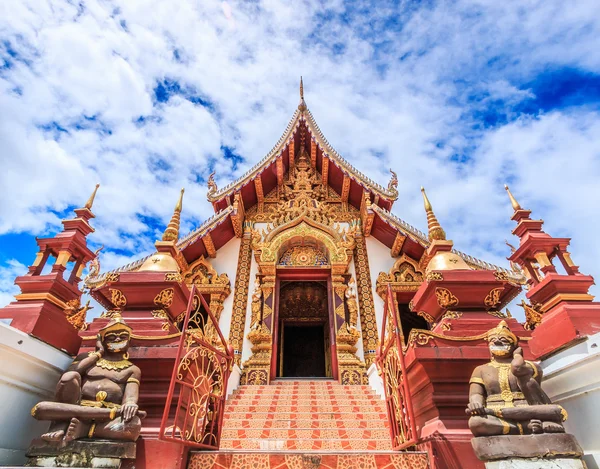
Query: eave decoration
{"x": 209, "y": 283}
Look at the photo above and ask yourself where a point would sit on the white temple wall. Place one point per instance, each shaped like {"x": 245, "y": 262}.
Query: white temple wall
{"x": 380, "y": 260}
{"x": 571, "y": 380}
{"x": 360, "y": 352}
{"x": 29, "y": 372}
{"x": 226, "y": 262}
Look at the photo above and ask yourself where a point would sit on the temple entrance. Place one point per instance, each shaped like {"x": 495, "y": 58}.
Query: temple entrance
{"x": 303, "y": 351}
{"x": 304, "y": 345}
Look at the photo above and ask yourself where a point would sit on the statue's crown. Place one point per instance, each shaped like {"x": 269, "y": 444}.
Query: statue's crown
{"x": 502, "y": 330}
{"x": 116, "y": 323}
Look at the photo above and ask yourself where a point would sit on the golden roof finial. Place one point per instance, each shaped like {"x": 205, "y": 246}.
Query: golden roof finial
{"x": 302, "y": 106}
{"x": 513, "y": 201}
{"x": 90, "y": 201}
{"x": 172, "y": 231}
{"x": 436, "y": 232}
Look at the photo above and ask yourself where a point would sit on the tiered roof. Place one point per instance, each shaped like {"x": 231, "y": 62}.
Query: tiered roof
{"x": 231, "y": 201}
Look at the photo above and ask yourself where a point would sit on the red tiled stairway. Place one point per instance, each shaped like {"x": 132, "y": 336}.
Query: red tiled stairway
{"x": 305, "y": 415}
{"x": 303, "y": 424}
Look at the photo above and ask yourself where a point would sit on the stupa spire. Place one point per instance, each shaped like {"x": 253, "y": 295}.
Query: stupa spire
{"x": 90, "y": 201}
{"x": 172, "y": 231}
{"x": 513, "y": 201}
{"x": 302, "y": 105}
{"x": 436, "y": 232}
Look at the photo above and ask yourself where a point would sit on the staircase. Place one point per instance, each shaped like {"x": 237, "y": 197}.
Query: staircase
{"x": 305, "y": 415}
{"x": 305, "y": 424}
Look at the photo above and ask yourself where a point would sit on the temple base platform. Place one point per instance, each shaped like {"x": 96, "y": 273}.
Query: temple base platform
{"x": 108, "y": 454}
{"x": 296, "y": 460}
{"x": 519, "y": 463}
{"x": 545, "y": 449}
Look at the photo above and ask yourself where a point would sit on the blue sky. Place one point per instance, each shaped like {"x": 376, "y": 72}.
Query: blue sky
{"x": 146, "y": 97}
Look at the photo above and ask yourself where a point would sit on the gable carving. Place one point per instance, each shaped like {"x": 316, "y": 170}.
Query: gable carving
{"x": 404, "y": 276}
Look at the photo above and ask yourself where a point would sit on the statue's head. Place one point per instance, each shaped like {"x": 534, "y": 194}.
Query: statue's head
{"x": 115, "y": 336}
{"x": 502, "y": 341}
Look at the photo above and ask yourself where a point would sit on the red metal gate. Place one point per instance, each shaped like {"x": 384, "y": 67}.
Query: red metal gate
{"x": 195, "y": 404}
{"x": 390, "y": 361}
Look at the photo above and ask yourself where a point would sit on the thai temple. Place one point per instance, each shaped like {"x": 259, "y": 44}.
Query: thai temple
{"x": 303, "y": 325}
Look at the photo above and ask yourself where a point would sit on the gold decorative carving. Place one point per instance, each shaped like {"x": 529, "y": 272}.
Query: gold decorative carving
{"x": 240, "y": 300}
{"x": 201, "y": 273}
{"x": 397, "y": 246}
{"x": 445, "y": 298}
{"x": 257, "y": 367}
{"x": 498, "y": 314}
{"x": 452, "y": 315}
{"x": 304, "y": 256}
{"x": 117, "y": 298}
{"x": 75, "y": 313}
{"x": 428, "y": 317}
{"x": 173, "y": 277}
{"x": 365, "y": 299}
{"x": 493, "y": 297}
{"x": 501, "y": 276}
{"x": 350, "y": 295}
{"x": 422, "y": 337}
{"x": 112, "y": 277}
{"x": 164, "y": 298}
{"x": 404, "y": 276}
{"x": 434, "y": 276}
{"x": 533, "y": 315}
{"x": 209, "y": 245}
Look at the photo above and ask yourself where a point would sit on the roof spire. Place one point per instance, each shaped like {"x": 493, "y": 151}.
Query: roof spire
{"x": 436, "y": 232}
{"x": 513, "y": 201}
{"x": 172, "y": 231}
{"x": 302, "y": 105}
{"x": 90, "y": 201}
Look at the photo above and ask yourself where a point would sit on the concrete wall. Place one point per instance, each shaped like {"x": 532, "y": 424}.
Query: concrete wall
{"x": 226, "y": 262}
{"x": 572, "y": 379}
{"x": 380, "y": 260}
{"x": 29, "y": 371}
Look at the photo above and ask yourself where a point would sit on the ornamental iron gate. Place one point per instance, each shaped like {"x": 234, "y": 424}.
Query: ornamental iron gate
{"x": 195, "y": 404}
{"x": 390, "y": 361}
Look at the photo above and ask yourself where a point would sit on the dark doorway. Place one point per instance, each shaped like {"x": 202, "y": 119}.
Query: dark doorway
{"x": 304, "y": 351}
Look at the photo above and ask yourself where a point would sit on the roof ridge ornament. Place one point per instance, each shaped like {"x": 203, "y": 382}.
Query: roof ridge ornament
{"x": 212, "y": 185}
{"x": 172, "y": 231}
{"x": 302, "y": 105}
{"x": 90, "y": 201}
{"x": 515, "y": 205}
{"x": 436, "y": 232}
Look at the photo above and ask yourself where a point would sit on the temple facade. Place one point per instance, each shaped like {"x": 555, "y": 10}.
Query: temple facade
{"x": 303, "y": 324}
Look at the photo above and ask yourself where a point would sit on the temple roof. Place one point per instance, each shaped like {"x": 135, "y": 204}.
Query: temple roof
{"x": 323, "y": 150}
{"x": 301, "y": 136}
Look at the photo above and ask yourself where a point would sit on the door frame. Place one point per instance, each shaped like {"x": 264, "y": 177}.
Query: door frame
{"x": 303, "y": 274}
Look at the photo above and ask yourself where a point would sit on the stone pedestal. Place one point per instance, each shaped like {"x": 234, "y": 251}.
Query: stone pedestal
{"x": 106, "y": 454}
{"x": 520, "y": 463}
{"x": 546, "y": 447}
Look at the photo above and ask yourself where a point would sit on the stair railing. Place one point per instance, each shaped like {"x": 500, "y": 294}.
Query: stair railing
{"x": 195, "y": 404}
{"x": 391, "y": 364}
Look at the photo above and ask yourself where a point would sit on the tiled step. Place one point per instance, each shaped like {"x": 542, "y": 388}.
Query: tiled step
{"x": 307, "y": 416}
{"x": 319, "y": 408}
{"x": 335, "y": 400}
{"x": 350, "y": 422}
{"x": 305, "y": 433}
{"x": 295, "y": 460}
{"x": 337, "y": 416}
{"x": 306, "y": 444}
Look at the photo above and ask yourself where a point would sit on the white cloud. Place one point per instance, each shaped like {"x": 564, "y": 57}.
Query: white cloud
{"x": 391, "y": 86}
{"x": 8, "y": 273}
